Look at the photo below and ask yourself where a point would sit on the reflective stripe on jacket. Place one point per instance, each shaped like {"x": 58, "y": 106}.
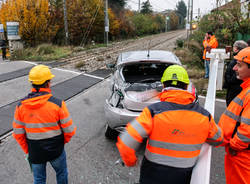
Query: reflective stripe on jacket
{"x": 40, "y": 116}
{"x": 229, "y": 118}
{"x": 212, "y": 42}
{"x": 176, "y": 128}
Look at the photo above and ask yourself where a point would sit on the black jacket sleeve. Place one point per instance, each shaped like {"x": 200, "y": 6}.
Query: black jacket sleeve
{"x": 230, "y": 76}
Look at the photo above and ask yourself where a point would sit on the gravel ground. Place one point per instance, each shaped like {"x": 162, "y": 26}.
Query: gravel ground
{"x": 93, "y": 59}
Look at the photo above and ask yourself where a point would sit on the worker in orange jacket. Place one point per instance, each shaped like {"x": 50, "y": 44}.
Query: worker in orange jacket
{"x": 235, "y": 122}
{"x": 42, "y": 125}
{"x": 209, "y": 42}
{"x": 175, "y": 129}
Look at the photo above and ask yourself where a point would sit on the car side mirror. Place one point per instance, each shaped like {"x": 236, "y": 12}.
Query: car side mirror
{"x": 110, "y": 66}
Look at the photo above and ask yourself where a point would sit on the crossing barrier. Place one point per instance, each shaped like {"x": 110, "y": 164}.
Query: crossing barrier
{"x": 201, "y": 171}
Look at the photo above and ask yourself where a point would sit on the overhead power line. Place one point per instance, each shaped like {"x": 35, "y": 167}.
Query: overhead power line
{"x": 86, "y": 34}
{"x": 156, "y": 4}
{"x": 134, "y": 2}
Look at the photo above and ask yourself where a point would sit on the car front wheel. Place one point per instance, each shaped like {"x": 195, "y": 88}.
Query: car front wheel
{"x": 111, "y": 133}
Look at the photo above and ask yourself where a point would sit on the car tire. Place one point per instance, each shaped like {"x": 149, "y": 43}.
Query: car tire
{"x": 111, "y": 133}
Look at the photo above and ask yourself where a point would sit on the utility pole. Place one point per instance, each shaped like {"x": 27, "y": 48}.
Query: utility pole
{"x": 106, "y": 22}
{"x": 65, "y": 22}
{"x": 188, "y": 23}
{"x": 199, "y": 14}
{"x": 139, "y": 6}
{"x": 167, "y": 23}
{"x": 191, "y": 16}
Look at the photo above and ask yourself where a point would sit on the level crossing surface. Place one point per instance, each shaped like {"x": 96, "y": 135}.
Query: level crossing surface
{"x": 65, "y": 89}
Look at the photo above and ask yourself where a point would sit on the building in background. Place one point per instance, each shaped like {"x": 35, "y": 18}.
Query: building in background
{"x": 245, "y": 8}
{"x": 244, "y": 5}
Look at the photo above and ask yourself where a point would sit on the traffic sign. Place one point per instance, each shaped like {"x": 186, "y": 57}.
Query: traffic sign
{"x": 187, "y": 26}
{"x": 1, "y": 28}
{"x": 12, "y": 30}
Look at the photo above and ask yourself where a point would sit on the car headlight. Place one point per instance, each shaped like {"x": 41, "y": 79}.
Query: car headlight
{"x": 116, "y": 99}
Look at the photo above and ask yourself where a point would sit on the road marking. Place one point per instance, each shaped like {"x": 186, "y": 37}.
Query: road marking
{"x": 93, "y": 76}
{"x": 79, "y": 73}
{"x": 30, "y": 62}
{"x": 65, "y": 70}
{"x": 217, "y": 99}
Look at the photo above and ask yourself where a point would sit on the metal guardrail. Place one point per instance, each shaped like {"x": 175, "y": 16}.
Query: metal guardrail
{"x": 201, "y": 171}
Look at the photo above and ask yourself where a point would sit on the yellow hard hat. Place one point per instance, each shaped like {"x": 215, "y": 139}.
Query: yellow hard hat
{"x": 243, "y": 55}
{"x": 40, "y": 74}
{"x": 175, "y": 73}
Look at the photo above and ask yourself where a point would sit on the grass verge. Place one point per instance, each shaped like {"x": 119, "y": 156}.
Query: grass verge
{"x": 44, "y": 52}
{"x": 49, "y": 52}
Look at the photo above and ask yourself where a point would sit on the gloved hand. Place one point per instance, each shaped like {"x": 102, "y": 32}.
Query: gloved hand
{"x": 130, "y": 163}
{"x": 27, "y": 159}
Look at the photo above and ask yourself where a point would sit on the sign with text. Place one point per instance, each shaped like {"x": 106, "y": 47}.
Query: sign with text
{"x": 1, "y": 28}
{"x": 12, "y": 30}
{"x": 106, "y": 28}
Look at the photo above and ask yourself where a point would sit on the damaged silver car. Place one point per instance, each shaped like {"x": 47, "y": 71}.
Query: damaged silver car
{"x": 135, "y": 84}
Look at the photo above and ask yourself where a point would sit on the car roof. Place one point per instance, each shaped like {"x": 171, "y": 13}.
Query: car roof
{"x": 142, "y": 55}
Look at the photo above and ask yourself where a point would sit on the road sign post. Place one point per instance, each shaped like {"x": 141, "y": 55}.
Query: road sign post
{"x": 13, "y": 36}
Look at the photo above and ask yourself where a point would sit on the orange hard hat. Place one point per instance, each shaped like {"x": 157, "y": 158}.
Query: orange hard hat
{"x": 243, "y": 55}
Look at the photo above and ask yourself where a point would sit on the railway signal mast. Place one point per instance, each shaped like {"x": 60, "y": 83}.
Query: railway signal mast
{"x": 139, "y": 6}
{"x": 189, "y": 18}
{"x": 106, "y": 35}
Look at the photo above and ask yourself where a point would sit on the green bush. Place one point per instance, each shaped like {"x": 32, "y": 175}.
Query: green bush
{"x": 188, "y": 58}
{"x": 147, "y": 24}
{"x": 45, "y": 49}
{"x": 180, "y": 43}
{"x": 196, "y": 48}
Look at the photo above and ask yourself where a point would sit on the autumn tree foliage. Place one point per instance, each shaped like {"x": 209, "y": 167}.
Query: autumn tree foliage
{"x": 86, "y": 21}
{"x": 174, "y": 21}
{"x": 42, "y": 21}
{"x": 32, "y": 16}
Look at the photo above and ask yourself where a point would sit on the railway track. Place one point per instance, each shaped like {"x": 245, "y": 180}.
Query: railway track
{"x": 97, "y": 58}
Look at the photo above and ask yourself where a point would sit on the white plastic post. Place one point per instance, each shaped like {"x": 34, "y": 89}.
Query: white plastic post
{"x": 221, "y": 55}
{"x": 201, "y": 171}
{"x": 220, "y": 74}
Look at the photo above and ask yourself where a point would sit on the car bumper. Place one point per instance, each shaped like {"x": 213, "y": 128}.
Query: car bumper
{"x": 117, "y": 117}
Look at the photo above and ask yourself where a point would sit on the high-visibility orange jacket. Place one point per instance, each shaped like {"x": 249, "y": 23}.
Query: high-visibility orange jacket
{"x": 176, "y": 128}
{"x": 212, "y": 43}
{"x": 237, "y": 168}
{"x": 42, "y": 125}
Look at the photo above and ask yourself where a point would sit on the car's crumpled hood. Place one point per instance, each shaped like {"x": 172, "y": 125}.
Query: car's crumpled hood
{"x": 137, "y": 100}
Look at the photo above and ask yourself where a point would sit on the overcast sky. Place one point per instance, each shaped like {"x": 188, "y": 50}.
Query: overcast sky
{"x": 160, "y": 5}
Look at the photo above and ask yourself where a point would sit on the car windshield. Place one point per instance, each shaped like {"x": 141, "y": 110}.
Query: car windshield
{"x": 144, "y": 72}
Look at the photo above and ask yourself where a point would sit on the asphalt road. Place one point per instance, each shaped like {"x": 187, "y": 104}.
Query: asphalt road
{"x": 91, "y": 157}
